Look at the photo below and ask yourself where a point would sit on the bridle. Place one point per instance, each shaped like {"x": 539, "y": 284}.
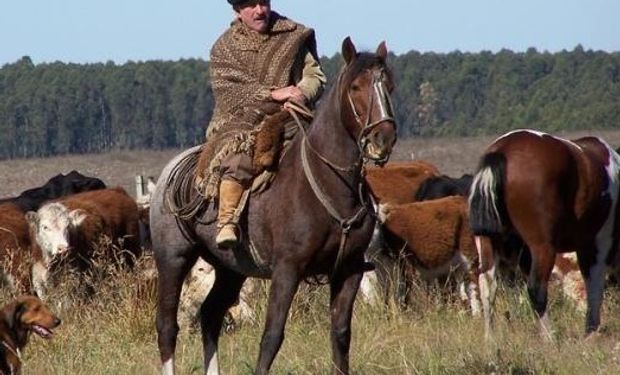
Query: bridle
{"x": 381, "y": 95}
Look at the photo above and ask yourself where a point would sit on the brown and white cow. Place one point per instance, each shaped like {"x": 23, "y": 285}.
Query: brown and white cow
{"x": 395, "y": 183}
{"x": 72, "y": 228}
{"x": 436, "y": 241}
{"x": 17, "y": 253}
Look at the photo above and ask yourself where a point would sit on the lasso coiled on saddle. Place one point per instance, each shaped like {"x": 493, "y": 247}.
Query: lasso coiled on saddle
{"x": 180, "y": 194}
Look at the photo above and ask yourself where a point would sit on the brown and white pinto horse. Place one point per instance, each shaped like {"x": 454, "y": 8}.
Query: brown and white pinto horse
{"x": 313, "y": 220}
{"x": 557, "y": 196}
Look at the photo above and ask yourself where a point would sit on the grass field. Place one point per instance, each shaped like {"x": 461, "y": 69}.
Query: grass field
{"x": 114, "y": 333}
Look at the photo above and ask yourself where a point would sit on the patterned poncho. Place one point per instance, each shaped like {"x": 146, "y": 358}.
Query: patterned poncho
{"x": 244, "y": 67}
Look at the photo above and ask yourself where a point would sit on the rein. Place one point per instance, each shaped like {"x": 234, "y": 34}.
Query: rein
{"x": 378, "y": 93}
{"x": 346, "y": 223}
{"x": 295, "y": 108}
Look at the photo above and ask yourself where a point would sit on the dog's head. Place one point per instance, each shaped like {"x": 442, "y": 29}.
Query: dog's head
{"x": 30, "y": 314}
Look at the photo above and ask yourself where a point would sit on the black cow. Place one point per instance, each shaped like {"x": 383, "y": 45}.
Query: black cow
{"x": 443, "y": 186}
{"x": 56, "y": 187}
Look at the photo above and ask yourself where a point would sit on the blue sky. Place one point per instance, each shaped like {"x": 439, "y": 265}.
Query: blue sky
{"x": 120, "y": 30}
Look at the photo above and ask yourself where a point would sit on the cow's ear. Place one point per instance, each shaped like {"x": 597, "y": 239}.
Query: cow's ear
{"x": 32, "y": 218}
{"x": 383, "y": 212}
{"x": 76, "y": 217}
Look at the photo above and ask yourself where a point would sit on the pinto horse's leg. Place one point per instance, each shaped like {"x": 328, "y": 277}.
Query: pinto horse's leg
{"x": 593, "y": 272}
{"x": 284, "y": 284}
{"x": 543, "y": 259}
{"x": 487, "y": 283}
{"x": 221, "y": 297}
{"x": 171, "y": 270}
{"x": 487, "y": 280}
{"x": 343, "y": 289}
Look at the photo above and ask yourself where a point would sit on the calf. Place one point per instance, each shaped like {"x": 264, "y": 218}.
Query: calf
{"x": 398, "y": 182}
{"x": 514, "y": 252}
{"x": 395, "y": 183}
{"x": 436, "y": 240}
{"x": 72, "y": 227}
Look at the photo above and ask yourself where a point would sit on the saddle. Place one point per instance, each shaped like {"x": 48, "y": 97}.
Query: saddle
{"x": 277, "y": 128}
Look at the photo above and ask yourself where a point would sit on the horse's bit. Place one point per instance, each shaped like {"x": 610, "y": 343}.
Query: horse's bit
{"x": 381, "y": 95}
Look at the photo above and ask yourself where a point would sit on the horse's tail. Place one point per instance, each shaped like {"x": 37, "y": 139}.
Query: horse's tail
{"x": 486, "y": 205}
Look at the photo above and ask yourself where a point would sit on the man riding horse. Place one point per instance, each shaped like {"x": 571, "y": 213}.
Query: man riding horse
{"x": 261, "y": 61}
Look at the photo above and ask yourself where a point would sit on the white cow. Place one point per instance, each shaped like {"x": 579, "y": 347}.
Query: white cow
{"x": 74, "y": 225}
{"x": 195, "y": 289}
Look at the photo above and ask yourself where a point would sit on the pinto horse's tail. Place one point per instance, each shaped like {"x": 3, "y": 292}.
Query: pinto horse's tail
{"x": 486, "y": 205}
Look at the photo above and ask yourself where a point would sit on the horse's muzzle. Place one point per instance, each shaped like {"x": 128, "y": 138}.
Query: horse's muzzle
{"x": 379, "y": 143}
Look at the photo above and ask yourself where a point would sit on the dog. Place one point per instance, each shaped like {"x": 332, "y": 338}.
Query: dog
{"x": 18, "y": 319}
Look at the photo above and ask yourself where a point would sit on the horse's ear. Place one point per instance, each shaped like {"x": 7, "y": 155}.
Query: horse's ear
{"x": 348, "y": 50}
{"x": 382, "y": 50}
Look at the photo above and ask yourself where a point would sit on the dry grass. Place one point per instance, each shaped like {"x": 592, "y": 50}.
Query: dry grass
{"x": 113, "y": 332}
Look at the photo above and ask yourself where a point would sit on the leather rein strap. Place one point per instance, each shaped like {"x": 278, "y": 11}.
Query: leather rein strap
{"x": 345, "y": 223}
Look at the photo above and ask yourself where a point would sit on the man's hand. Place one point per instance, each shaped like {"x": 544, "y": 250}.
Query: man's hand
{"x": 284, "y": 94}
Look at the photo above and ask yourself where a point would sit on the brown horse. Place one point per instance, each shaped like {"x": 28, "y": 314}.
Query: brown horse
{"x": 313, "y": 220}
{"x": 557, "y": 196}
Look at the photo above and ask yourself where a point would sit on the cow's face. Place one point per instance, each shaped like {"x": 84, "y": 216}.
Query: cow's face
{"x": 53, "y": 224}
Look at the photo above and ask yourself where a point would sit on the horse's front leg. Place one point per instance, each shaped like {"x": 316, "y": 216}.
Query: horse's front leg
{"x": 343, "y": 289}
{"x": 284, "y": 283}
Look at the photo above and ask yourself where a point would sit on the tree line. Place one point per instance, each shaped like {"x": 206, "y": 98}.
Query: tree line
{"x": 59, "y": 108}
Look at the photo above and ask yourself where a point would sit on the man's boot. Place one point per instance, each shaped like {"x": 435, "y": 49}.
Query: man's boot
{"x": 230, "y": 195}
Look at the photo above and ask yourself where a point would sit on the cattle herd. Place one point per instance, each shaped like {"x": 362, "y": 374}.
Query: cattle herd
{"x": 422, "y": 235}
{"x": 62, "y": 222}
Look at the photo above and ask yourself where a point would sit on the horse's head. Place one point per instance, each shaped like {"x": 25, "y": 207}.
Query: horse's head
{"x": 366, "y": 84}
